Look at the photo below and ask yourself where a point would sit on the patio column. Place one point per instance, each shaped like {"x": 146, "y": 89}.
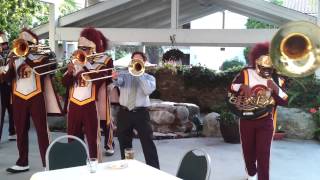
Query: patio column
{"x": 53, "y": 22}
{"x": 317, "y": 73}
{"x": 174, "y": 14}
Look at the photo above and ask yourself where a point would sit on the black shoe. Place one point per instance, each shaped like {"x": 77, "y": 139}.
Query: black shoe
{"x": 109, "y": 152}
{"x": 17, "y": 169}
{"x": 12, "y": 137}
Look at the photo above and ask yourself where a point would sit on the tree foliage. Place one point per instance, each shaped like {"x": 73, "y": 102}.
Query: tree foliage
{"x": 68, "y": 6}
{"x": 256, "y": 24}
{"x": 16, "y": 14}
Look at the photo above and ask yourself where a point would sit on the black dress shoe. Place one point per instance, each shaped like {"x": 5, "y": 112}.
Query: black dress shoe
{"x": 18, "y": 169}
{"x": 109, "y": 152}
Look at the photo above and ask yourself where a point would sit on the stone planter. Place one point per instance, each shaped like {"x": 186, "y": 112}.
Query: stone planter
{"x": 230, "y": 134}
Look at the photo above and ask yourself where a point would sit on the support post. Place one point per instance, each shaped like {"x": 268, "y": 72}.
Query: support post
{"x": 53, "y": 22}
{"x": 174, "y": 14}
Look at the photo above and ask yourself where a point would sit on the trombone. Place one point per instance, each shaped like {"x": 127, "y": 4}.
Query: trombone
{"x": 135, "y": 68}
{"x": 21, "y": 48}
{"x": 78, "y": 57}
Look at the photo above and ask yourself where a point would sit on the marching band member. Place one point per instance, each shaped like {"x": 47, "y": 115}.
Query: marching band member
{"x": 256, "y": 135}
{"x": 31, "y": 94}
{"x": 108, "y": 129}
{"x": 103, "y": 100}
{"x": 133, "y": 114}
{"x": 83, "y": 114}
{"x": 5, "y": 89}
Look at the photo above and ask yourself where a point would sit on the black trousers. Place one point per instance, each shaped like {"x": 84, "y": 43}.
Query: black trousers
{"x": 5, "y": 90}
{"x": 139, "y": 120}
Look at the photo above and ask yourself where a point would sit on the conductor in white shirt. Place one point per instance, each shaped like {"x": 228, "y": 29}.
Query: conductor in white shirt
{"x": 133, "y": 114}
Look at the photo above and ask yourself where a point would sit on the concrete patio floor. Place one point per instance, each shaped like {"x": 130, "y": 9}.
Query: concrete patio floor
{"x": 291, "y": 159}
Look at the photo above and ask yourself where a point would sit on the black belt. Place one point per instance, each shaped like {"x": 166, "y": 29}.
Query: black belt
{"x": 115, "y": 103}
{"x": 136, "y": 109}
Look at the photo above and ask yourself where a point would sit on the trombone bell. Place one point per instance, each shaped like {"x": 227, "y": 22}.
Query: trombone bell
{"x": 294, "y": 49}
{"x": 80, "y": 57}
{"x": 20, "y": 47}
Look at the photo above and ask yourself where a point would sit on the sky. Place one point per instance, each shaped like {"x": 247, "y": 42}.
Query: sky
{"x": 213, "y": 57}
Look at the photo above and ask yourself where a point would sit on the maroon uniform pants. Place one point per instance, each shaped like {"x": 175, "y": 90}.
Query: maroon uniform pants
{"x": 22, "y": 109}
{"x": 108, "y": 134}
{"x": 84, "y": 119}
{"x": 256, "y": 137}
{"x": 5, "y": 91}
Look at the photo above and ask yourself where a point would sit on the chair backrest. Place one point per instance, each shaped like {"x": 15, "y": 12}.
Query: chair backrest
{"x": 195, "y": 164}
{"x": 66, "y": 154}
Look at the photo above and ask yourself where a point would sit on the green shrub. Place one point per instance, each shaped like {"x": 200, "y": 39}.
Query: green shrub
{"x": 316, "y": 118}
{"x": 231, "y": 64}
{"x": 57, "y": 84}
{"x": 303, "y": 92}
{"x": 227, "y": 118}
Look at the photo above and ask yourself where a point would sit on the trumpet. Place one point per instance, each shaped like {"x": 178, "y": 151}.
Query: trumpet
{"x": 136, "y": 67}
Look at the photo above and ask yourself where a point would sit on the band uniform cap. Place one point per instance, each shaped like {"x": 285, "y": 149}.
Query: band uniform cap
{"x": 28, "y": 37}
{"x": 84, "y": 42}
{"x": 264, "y": 61}
{"x": 257, "y": 51}
{"x": 3, "y": 38}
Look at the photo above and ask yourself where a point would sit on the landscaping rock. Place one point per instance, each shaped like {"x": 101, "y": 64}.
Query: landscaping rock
{"x": 297, "y": 124}
{"x": 211, "y": 127}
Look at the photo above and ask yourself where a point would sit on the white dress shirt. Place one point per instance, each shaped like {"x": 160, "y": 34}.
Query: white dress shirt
{"x": 146, "y": 85}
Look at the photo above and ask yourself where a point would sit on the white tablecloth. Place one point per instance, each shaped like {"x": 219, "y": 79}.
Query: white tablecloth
{"x": 107, "y": 171}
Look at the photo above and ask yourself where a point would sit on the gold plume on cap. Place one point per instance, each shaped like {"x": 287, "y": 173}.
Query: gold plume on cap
{"x": 264, "y": 61}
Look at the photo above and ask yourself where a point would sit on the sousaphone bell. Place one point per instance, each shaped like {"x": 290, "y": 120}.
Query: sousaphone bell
{"x": 295, "y": 49}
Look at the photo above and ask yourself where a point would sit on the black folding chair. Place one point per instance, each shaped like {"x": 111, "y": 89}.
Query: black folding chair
{"x": 195, "y": 165}
{"x": 66, "y": 154}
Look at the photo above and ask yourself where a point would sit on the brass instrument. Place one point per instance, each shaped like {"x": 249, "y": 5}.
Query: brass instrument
{"x": 135, "y": 68}
{"x": 253, "y": 107}
{"x": 78, "y": 57}
{"x": 21, "y": 48}
{"x": 295, "y": 49}
{"x": 95, "y": 57}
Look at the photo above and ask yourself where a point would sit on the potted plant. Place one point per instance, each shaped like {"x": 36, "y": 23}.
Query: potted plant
{"x": 279, "y": 133}
{"x": 316, "y": 117}
{"x": 229, "y": 127}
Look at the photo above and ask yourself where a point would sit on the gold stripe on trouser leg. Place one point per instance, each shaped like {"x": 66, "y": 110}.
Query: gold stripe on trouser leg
{"x": 99, "y": 153}
{"x": 108, "y": 113}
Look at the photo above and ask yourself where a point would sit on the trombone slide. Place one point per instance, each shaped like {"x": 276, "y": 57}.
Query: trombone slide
{"x": 96, "y": 71}
{"x": 34, "y": 69}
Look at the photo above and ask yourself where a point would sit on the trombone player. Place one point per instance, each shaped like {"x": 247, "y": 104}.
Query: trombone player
{"x": 83, "y": 113}
{"x": 28, "y": 96}
{"x": 5, "y": 89}
{"x": 135, "y": 89}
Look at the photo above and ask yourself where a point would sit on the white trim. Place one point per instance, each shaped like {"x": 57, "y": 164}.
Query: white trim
{"x": 209, "y": 37}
